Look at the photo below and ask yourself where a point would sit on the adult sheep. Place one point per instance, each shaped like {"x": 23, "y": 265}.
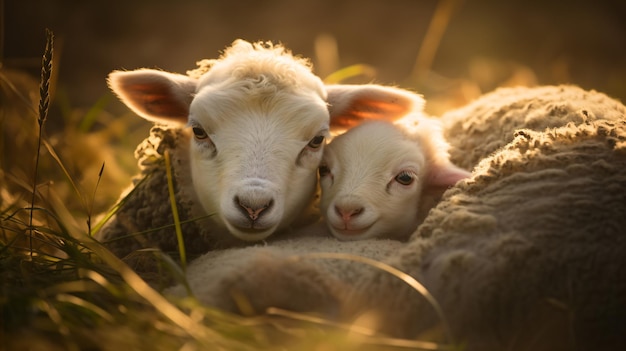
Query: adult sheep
{"x": 526, "y": 254}
{"x": 245, "y": 135}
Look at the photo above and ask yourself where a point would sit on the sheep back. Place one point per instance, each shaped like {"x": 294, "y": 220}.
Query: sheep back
{"x": 285, "y": 274}
{"x": 534, "y": 243}
{"x": 487, "y": 124}
{"x": 526, "y": 254}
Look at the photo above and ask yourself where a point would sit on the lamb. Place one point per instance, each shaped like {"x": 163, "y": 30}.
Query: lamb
{"x": 526, "y": 254}
{"x": 380, "y": 179}
{"x": 245, "y": 135}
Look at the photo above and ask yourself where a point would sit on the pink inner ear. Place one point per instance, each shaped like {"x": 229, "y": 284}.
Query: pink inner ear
{"x": 155, "y": 95}
{"x": 368, "y": 109}
{"x": 446, "y": 175}
{"x": 156, "y": 100}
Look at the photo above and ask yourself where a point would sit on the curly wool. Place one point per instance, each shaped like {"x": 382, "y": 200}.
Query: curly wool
{"x": 145, "y": 218}
{"x": 497, "y": 115}
{"x": 527, "y": 254}
{"x": 252, "y": 63}
{"x": 534, "y": 242}
{"x": 243, "y": 49}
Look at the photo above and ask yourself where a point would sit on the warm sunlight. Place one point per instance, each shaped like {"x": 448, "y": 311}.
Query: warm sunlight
{"x": 170, "y": 177}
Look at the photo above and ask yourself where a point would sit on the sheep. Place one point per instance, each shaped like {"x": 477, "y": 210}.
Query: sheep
{"x": 528, "y": 253}
{"x": 284, "y": 277}
{"x": 380, "y": 179}
{"x": 497, "y": 115}
{"x": 245, "y": 135}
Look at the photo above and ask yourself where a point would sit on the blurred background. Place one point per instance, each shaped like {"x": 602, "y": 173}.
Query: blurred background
{"x": 449, "y": 50}
{"x": 487, "y": 42}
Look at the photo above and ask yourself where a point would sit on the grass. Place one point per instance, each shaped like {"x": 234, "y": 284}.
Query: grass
{"x": 62, "y": 290}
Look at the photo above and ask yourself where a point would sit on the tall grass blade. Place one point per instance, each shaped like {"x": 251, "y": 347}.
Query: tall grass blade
{"x": 166, "y": 308}
{"x": 437, "y": 27}
{"x": 350, "y": 72}
{"x": 17, "y": 92}
{"x": 56, "y": 157}
{"x": 365, "y": 335}
{"x": 93, "y": 199}
{"x": 177, "y": 226}
{"x": 44, "y": 104}
{"x": 412, "y": 282}
{"x": 92, "y": 115}
{"x": 116, "y": 208}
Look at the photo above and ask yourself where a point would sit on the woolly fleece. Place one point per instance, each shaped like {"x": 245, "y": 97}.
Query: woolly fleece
{"x": 526, "y": 254}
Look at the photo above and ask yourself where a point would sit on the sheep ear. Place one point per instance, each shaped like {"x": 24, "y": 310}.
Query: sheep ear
{"x": 155, "y": 95}
{"x": 349, "y": 105}
{"x": 446, "y": 175}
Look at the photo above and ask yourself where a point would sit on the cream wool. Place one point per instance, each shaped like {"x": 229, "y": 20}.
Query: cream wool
{"x": 246, "y": 134}
{"x": 533, "y": 244}
{"x": 497, "y": 115}
{"x": 526, "y": 254}
{"x": 379, "y": 179}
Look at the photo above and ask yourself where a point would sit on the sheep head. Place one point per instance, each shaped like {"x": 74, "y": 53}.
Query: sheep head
{"x": 258, "y": 120}
{"x": 373, "y": 178}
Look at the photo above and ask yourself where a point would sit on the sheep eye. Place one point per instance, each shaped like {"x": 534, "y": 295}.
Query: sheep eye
{"x": 199, "y": 133}
{"x": 316, "y": 142}
{"x": 405, "y": 178}
{"x": 323, "y": 171}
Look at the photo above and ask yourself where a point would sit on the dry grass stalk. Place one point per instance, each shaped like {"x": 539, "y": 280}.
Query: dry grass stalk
{"x": 44, "y": 104}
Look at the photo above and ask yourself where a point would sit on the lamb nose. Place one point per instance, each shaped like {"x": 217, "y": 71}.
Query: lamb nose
{"x": 347, "y": 214}
{"x": 254, "y": 211}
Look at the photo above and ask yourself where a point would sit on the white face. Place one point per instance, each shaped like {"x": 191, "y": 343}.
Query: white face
{"x": 371, "y": 180}
{"x": 254, "y": 158}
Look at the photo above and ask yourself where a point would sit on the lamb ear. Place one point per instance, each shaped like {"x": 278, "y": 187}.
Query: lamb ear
{"x": 446, "y": 175}
{"x": 155, "y": 95}
{"x": 350, "y": 105}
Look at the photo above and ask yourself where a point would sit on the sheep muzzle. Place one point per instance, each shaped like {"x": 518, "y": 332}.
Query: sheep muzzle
{"x": 253, "y": 210}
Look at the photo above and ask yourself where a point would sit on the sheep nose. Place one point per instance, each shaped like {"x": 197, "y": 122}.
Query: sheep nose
{"x": 348, "y": 213}
{"x": 254, "y": 209}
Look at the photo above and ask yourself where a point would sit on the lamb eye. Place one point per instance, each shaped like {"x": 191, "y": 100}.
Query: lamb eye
{"x": 323, "y": 171}
{"x": 316, "y": 142}
{"x": 405, "y": 178}
{"x": 199, "y": 133}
